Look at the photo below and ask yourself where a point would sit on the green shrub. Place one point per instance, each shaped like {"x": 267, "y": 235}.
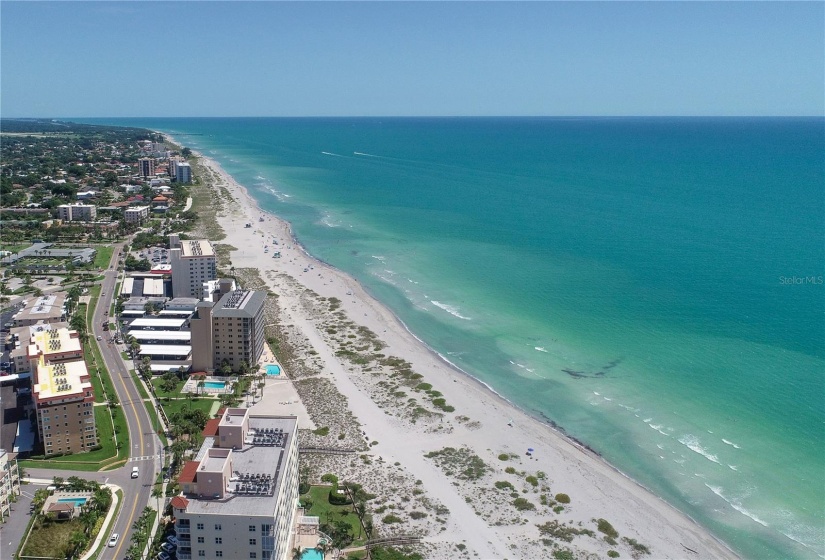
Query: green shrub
{"x": 563, "y": 498}
{"x": 563, "y": 554}
{"x": 321, "y": 431}
{"x": 503, "y": 457}
{"x": 418, "y": 514}
{"x": 532, "y": 480}
{"x": 503, "y": 484}
{"x": 612, "y": 554}
{"x": 329, "y": 477}
{"x": 604, "y": 526}
{"x": 391, "y": 518}
{"x": 523, "y": 504}
{"x": 638, "y": 547}
{"x": 510, "y": 470}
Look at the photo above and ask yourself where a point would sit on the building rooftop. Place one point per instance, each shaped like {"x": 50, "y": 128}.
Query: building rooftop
{"x": 196, "y": 248}
{"x": 250, "y": 493}
{"x": 239, "y": 303}
{"x": 161, "y": 335}
{"x": 157, "y": 323}
{"x": 61, "y": 380}
{"x": 43, "y": 307}
{"x": 49, "y": 342}
{"x": 165, "y": 350}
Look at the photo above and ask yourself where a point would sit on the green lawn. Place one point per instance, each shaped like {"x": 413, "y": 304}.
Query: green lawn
{"x": 319, "y": 496}
{"x": 177, "y": 405}
{"x": 103, "y": 256}
{"x": 158, "y": 382}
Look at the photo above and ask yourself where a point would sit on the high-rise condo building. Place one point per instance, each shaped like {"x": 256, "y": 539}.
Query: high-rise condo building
{"x": 146, "y": 167}
{"x": 62, "y": 392}
{"x": 193, "y": 263}
{"x": 239, "y": 496}
{"x": 229, "y": 332}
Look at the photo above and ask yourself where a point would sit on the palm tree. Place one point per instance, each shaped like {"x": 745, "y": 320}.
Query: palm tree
{"x": 296, "y": 553}
{"x": 201, "y": 385}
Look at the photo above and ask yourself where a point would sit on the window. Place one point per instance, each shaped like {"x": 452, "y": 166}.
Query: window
{"x": 251, "y": 528}
{"x": 217, "y": 526}
{"x": 253, "y": 554}
{"x": 201, "y": 553}
{"x": 200, "y": 540}
{"x": 200, "y": 527}
{"x": 219, "y": 553}
{"x": 253, "y": 542}
{"x": 218, "y": 540}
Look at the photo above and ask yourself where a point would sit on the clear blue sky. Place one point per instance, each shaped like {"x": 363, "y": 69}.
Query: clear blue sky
{"x": 75, "y": 59}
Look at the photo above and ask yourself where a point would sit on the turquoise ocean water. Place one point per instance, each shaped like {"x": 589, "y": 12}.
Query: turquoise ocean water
{"x": 653, "y": 286}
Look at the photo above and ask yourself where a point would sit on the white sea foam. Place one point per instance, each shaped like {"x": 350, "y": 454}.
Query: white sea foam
{"x": 451, "y": 309}
{"x": 379, "y": 257}
{"x": 540, "y": 349}
{"x": 597, "y": 393}
{"x": 647, "y": 420}
{"x": 607, "y": 398}
{"x": 733, "y": 467}
{"x": 735, "y": 504}
{"x": 363, "y": 154}
{"x": 659, "y": 429}
{"x": 331, "y": 154}
{"x": 731, "y": 443}
{"x": 692, "y": 442}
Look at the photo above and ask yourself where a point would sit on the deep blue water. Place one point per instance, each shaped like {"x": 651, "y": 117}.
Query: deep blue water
{"x": 654, "y": 286}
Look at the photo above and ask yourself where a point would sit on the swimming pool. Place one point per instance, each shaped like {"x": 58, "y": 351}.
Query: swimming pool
{"x": 214, "y": 384}
{"x": 76, "y": 501}
{"x": 273, "y": 370}
{"x": 311, "y": 554}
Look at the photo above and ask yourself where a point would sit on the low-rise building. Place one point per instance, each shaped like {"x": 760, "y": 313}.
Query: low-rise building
{"x": 136, "y": 214}
{"x": 9, "y": 482}
{"x": 49, "y": 308}
{"x": 240, "y": 494}
{"x": 77, "y": 212}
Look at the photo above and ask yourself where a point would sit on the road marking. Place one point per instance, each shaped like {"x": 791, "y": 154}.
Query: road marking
{"x": 143, "y": 458}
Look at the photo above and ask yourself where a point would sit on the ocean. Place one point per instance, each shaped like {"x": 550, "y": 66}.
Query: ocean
{"x": 654, "y": 286}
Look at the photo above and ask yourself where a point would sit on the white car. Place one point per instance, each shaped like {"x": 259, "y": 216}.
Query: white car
{"x": 113, "y": 540}
{"x": 135, "y": 472}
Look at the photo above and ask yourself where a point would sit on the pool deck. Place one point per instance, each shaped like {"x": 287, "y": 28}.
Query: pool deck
{"x": 192, "y": 385}
{"x": 280, "y": 397}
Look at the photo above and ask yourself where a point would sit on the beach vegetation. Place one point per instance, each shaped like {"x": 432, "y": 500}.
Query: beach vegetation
{"x": 558, "y": 509}
{"x": 604, "y": 526}
{"x": 503, "y": 485}
{"x": 613, "y": 554}
{"x": 523, "y": 504}
{"x": 563, "y": 498}
{"x": 532, "y": 481}
{"x": 390, "y": 553}
{"x": 504, "y": 457}
{"x": 461, "y": 463}
{"x": 638, "y": 548}
{"x": 322, "y": 431}
{"x": 563, "y": 554}
{"x": 560, "y": 531}
{"x": 391, "y": 518}
{"x": 510, "y": 470}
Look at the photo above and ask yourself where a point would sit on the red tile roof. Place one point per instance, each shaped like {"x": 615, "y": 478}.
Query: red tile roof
{"x": 190, "y": 470}
{"x": 211, "y": 428}
{"x": 179, "y": 502}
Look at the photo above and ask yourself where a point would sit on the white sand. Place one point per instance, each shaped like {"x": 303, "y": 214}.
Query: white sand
{"x": 597, "y": 490}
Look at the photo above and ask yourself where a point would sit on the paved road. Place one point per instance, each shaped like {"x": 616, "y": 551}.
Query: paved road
{"x": 144, "y": 444}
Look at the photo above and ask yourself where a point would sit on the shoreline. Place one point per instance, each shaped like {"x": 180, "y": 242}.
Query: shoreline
{"x": 567, "y": 449}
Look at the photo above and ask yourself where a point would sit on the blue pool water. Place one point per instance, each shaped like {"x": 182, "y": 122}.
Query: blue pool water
{"x": 214, "y": 384}
{"x": 273, "y": 370}
{"x": 311, "y": 554}
{"x": 76, "y": 501}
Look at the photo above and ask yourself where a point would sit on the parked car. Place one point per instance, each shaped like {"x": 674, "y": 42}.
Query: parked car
{"x": 113, "y": 539}
{"x": 172, "y": 539}
{"x": 163, "y": 556}
{"x": 167, "y": 547}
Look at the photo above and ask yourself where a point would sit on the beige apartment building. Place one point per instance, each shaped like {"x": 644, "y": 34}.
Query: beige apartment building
{"x": 240, "y": 494}
{"x": 136, "y": 214}
{"x": 193, "y": 263}
{"x": 146, "y": 167}
{"x": 9, "y": 482}
{"x": 77, "y": 212}
{"x": 230, "y": 331}
{"x": 62, "y": 392}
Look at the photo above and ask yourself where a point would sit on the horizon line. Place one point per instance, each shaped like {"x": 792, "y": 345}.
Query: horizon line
{"x": 425, "y": 117}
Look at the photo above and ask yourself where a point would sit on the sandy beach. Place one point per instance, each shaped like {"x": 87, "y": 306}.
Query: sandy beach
{"x": 483, "y": 491}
